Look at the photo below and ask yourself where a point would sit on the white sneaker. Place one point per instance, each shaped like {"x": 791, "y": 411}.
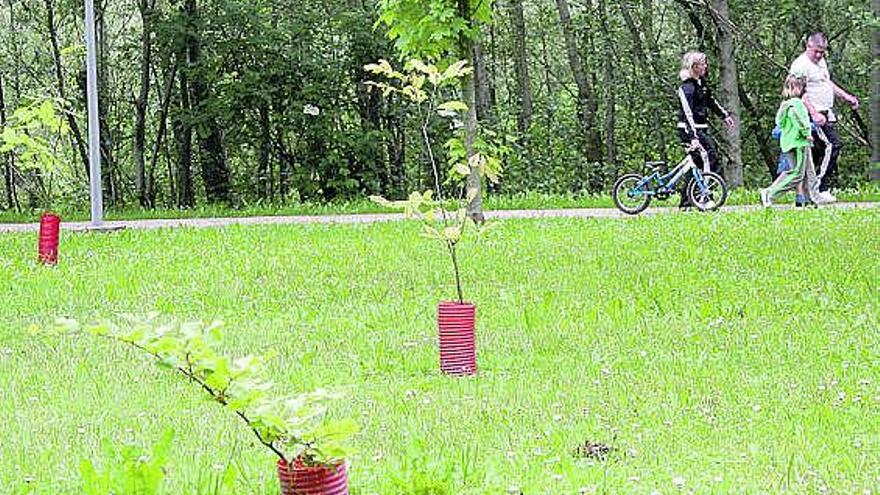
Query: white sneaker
{"x": 765, "y": 198}
{"x": 826, "y": 197}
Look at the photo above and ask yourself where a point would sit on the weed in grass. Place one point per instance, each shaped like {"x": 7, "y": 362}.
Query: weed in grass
{"x": 593, "y": 450}
{"x": 127, "y": 469}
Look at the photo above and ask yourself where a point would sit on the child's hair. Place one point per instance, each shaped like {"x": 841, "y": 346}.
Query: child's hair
{"x": 688, "y": 61}
{"x": 794, "y": 86}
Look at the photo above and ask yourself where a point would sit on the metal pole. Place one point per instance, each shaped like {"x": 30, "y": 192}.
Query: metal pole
{"x": 95, "y": 190}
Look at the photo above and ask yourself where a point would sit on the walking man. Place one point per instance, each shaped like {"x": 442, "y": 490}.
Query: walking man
{"x": 819, "y": 100}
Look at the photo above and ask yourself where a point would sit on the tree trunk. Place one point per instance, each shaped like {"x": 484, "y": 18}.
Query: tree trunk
{"x": 729, "y": 95}
{"x": 285, "y": 163}
{"x": 609, "y": 79}
{"x": 8, "y": 165}
{"x": 485, "y": 94}
{"x": 78, "y": 142}
{"x": 655, "y": 99}
{"x": 166, "y": 96}
{"x": 756, "y": 129}
{"x": 145, "y": 7}
{"x": 264, "y": 168}
{"x": 694, "y": 17}
{"x": 183, "y": 135}
{"x": 521, "y": 67}
{"x": 474, "y": 184}
{"x": 396, "y": 127}
{"x": 212, "y": 155}
{"x": 585, "y": 97}
{"x": 875, "y": 96}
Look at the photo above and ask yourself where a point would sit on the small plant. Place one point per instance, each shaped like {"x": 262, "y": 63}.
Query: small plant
{"x": 423, "y": 84}
{"x": 32, "y": 135}
{"x": 293, "y": 427}
{"x": 420, "y": 473}
{"x": 128, "y": 470}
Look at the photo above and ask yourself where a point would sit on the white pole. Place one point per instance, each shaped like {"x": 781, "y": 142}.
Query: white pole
{"x": 94, "y": 129}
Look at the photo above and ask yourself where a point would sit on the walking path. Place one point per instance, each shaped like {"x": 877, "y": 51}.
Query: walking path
{"x": 378, "y": 217}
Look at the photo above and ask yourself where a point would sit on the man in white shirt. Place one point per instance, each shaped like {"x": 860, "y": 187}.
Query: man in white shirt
{"x": 819, "y": 99}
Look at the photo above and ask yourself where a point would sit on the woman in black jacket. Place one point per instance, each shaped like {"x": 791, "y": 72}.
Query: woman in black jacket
{"x": 695, "y": 101}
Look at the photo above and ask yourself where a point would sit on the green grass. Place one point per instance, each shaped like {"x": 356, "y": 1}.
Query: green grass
{"x": 737, "y": 352}
{"x": 493, "y": 201}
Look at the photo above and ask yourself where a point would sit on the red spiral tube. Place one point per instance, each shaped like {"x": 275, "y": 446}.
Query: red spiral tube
{"x": 458, "y": 347}
{"x": 300, "y": 479}
{"x": 50, "y": 225}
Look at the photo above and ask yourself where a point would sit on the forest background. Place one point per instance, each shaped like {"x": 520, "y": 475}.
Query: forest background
{"x": 245, "y": 102}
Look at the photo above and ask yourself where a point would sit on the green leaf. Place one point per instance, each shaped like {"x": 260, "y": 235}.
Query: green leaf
{"x": 452, "y": 106}
{"x": 452, "y": 233}
{"x": 431, "y": 232}
{"x": 461, "y": 168}
{"x": 92, "y": 483}
{"x": 220, "y": 376}
{"x": 456, "y": 70}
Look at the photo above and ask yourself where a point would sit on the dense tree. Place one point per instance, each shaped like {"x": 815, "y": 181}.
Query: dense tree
{"x": 241, "y": 101}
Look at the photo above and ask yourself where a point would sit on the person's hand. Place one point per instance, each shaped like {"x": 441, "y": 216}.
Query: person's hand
{"x": 853, "y": 101}
{"x": 730, "y": 122}
{"x": 695, "y": 144}
{"x": 810, "y": 138}
{"x": 820, "y": 119}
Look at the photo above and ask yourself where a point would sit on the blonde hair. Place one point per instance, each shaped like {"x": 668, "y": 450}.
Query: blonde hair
{"x": 688, "y": 61}
{"x": 793, "y": 87}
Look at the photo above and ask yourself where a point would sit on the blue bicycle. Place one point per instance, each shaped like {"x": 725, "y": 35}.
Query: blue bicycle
{"x": 705, "y": 190}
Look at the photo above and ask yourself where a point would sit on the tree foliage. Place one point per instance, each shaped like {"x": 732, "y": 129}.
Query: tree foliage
{"x": 266, "y": 101}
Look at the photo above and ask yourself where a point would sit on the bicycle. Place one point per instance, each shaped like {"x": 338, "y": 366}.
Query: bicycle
{"x": 705, "y": 190}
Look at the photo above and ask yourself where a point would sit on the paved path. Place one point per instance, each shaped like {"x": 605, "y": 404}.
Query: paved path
{"x": 376, "y": 217}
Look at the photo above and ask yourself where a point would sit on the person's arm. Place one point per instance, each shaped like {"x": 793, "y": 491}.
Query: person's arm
{"x": 686, "y": 100}
{"x": 802, "y": 117}
{"x": 843, "y": 95}
{"x": 817, "y": 117}
{"x": 720, "y": 110}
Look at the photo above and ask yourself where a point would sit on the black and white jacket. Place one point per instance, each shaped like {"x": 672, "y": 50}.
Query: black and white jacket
{"x": 695, "y": 102}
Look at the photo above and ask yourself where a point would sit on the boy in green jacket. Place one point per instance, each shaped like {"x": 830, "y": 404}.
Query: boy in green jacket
{"x": 796, "y": 139}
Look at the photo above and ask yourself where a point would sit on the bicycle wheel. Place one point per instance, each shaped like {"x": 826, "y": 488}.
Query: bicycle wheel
{"x": 630, "y": 197}
{"x": 712, "y": 196}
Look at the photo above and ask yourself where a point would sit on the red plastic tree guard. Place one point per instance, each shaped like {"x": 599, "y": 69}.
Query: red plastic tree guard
{"x": 48, "y": 245}
{"x": 458, "y": 347}
{"x": 300, "y": 479}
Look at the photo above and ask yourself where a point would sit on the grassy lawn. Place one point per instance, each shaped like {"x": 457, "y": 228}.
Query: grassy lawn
{"x": 526, "y": 201}
{"x": 716, "y": 353}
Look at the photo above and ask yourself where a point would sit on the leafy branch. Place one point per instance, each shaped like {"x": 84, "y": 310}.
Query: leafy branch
{"x": 30, "y": 131}
{"x": 291, "y": 426}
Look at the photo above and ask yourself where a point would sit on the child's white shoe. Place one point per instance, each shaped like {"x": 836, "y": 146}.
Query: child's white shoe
{"x": 825, "y": 197}
{"x": 765, "y": 198}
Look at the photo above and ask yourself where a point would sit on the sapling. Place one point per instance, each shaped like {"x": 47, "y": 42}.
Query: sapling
{"x": 32, "y": 134}
{"x": 423, "y": 84}
{"x": 292, "y": 427}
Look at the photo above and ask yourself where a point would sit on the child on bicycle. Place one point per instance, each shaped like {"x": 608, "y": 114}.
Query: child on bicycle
{"x": 795, "y": 141}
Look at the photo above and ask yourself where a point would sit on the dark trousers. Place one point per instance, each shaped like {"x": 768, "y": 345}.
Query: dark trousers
{"x": 829, "y": 180}
{"x": 706, "y": 143}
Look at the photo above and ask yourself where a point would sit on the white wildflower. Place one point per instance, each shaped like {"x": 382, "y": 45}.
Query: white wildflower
{"x": 312, "y": 110}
